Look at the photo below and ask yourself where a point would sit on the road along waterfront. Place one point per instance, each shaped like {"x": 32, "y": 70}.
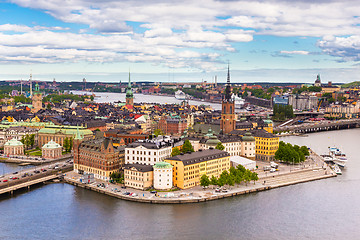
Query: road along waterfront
{"x": 326, "y": 209}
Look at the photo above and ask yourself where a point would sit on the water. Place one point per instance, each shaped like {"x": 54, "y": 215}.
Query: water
{"x": 325, "y": 209}
{"x": 11, "y": 167}
{"x": 104, "y": 97}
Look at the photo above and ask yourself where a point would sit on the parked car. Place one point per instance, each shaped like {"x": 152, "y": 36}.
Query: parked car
{"x": 272, "y": 170}
{"x": 217, "y": 190}
{"x": 5, "y": 180}
{"x": 153, "y": 191}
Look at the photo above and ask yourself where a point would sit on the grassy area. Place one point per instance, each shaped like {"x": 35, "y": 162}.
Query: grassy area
{"x": 171, "y": 190}
{"x": 35, "y": 153}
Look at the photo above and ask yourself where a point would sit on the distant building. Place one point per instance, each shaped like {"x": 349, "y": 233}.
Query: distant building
{"x": 36, "y": 100}
{"x": 303, "y": 102}
{"x": 347, "y": 111}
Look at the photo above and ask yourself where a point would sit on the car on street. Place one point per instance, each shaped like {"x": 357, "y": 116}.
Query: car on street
{"x": 5, "y": 180}
{"x": 153, "y": 191}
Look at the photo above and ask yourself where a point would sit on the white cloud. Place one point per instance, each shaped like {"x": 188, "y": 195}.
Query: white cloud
{"x": 295, "y": 52}
{"x": 177, "y": 33}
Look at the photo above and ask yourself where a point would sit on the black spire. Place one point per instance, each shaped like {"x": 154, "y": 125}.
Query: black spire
{"x": 227, "y": 96}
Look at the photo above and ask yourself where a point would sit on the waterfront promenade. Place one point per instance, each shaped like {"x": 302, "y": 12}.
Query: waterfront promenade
{"x": 312, "y": 169}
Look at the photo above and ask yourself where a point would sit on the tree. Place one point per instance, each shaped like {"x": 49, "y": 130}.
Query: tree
{"x": 254, "y": 176}
{"x": 158, "y": 132}
{"x": 219, "y": 146}
{"x": 48, "y": 106}
{"x": 213, "y": 180}
{"x": 31, "y": 140}
{"x": 175, "y": 152}
{"x": 70, "y": 144}
{"x": 305, "y": 150}
{"x": 187, "y": 147}
{"x": 66, "y": 144}
{"x": 204, "y": 181}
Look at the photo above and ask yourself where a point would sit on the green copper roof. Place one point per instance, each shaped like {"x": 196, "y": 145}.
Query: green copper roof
{"x": 213, "y": 141}
{"x": 129, "y": 93}
{"x": 51, "y": 145}
{"x": 162, "y": 165}
{"x": 248, "y": 137}
{"x": 68, "y": 130}
{"x": 13, "y": 142}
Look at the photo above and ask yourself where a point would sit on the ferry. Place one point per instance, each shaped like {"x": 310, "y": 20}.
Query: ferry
{"x": 180, "y": 95}
{"x": 239, "y": 102}
{"x": 339, "y": 157}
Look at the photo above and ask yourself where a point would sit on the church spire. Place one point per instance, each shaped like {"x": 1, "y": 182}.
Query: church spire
{"x": 129, "y": 85}
{"x": 78, "y": 136}
{"x": 227, "y": 96}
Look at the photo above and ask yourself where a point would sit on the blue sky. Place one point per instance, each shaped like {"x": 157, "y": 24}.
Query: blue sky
{"x": 264, "y": 41}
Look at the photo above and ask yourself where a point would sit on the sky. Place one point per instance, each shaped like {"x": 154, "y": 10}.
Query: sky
{"x": 180, "y": 41}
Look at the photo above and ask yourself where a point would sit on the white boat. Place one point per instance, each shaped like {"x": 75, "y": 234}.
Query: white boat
{"x": 336, "y": 169}
{"x": 339, "y": 157}
{"x": 239, "y": 102}
{"x": 180, "y": 95}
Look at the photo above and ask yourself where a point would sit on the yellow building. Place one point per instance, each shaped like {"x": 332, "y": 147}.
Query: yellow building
{"x": 188, "y": 168}
{"x": 266, "y": 143}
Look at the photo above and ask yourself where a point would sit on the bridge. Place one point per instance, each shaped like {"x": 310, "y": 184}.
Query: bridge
{"x": 320, "y": 126}
{"x": 25, "y": 182}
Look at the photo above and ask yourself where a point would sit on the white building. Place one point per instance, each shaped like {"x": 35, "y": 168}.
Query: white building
{"x": 163, "y": 176}
{"x": 248, "y": 147}
{"x": 147, "y": 152}
{"x": 245, "y": 162}
{"x": 13, "y": 147}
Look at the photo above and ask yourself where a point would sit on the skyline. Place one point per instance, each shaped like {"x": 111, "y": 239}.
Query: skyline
{"x": 264, "y": 41}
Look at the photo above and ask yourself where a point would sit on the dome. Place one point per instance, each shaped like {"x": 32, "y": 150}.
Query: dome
{"x": 248, "y": 137}
{"x": 51, "y": 145}
{"x": 13, "y": 142}
{"x": 213, "y": 141}
{"x": 162, "y": 165}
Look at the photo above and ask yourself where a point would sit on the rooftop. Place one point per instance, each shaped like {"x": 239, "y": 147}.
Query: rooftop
{"x": 200, "y": 156}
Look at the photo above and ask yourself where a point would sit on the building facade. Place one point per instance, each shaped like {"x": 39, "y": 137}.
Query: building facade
{"x": 51, "y": 150}
{"x": 163, "y": 176}
{"x": 188, "y": 168}
{"x": 147, "y": 152}
{"x": 13, "y": 147}
{"x": 58, "y": 133}
{"x": 138, "y": 176}
{"x": 97, "y": 156}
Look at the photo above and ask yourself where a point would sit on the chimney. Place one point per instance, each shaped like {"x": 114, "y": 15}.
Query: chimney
{"x": 329, "y": 83}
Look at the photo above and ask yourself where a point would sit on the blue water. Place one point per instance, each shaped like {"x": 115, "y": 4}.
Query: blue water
{"x": 325, "y": 209}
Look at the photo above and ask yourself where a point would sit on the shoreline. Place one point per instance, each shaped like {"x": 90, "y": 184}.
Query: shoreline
{"x": 272, "y": 182}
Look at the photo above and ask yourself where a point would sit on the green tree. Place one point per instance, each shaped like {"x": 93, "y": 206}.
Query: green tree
{"x": 66, "y": 144}
{"x": 48, "y": 106}
{"x": 71, "y": 142}
{"x": 31, "y": 140}
{"x": 213, "y": 180}
{"x": 175, "y": 152}
{"x": 305, "y": 150}
{"x": 187, "y": 147}
{"x": 254, "y": 176}
{"x": 219, "y": 146}
{"x": 204, "y": 181}
{"x": 158, "y": 132}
